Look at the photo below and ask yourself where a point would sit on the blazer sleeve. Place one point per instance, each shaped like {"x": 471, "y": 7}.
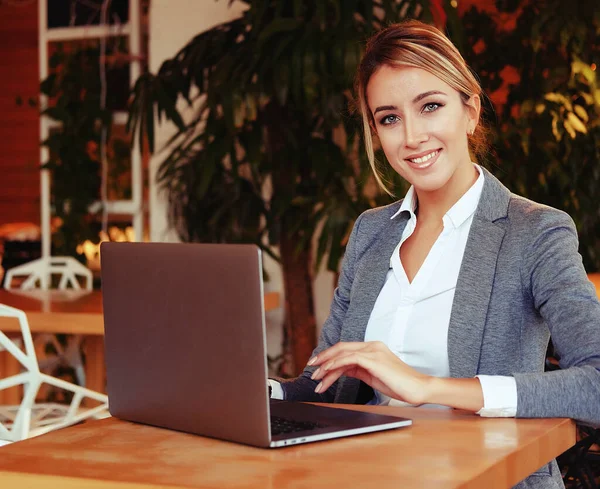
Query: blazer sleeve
{"x": 553, "y": 273}
{"x": 302, "y": 388}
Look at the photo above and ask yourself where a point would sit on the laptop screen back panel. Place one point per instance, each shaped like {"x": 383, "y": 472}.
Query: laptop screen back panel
{"x": 180, "y": 319}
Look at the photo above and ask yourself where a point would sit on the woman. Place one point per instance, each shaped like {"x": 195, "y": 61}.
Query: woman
{"x": 449, "y": 296}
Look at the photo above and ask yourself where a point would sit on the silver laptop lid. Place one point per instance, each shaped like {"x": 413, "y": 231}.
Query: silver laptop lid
{"x": 185, "y": 338}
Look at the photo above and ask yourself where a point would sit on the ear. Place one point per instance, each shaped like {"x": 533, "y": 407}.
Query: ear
{"x": 473, "y": 110}
{"x": 372, "y": 126}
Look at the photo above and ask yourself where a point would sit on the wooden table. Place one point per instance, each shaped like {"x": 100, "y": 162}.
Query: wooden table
{"x": 443, "y": 449}
{"x": 68, "y": 312}
{"x": 56, "y": 311}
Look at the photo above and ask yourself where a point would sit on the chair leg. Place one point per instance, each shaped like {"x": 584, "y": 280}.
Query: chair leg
{"x": 579, "y": 473}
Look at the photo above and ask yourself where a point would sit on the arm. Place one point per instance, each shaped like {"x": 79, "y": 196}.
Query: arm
{"x": 568, "y": 303}
{"x": 302, "y": 388}
{"x": 373, "y": 363}
{"x": 553, "y": 275}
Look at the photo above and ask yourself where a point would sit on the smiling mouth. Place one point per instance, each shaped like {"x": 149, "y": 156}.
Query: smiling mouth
{"x": 425, "y": 158}
{"x": 424, "y": 161}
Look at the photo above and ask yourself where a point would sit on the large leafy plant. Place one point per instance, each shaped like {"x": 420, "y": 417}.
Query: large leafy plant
{"x": 547, "y": 132}
{"x": 271, "y": 154}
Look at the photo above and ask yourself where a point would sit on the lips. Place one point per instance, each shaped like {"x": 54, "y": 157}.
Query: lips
{"x": 423, "y": 160}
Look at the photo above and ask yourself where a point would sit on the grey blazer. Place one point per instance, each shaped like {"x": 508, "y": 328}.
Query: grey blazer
{"x": 520, "y": 282}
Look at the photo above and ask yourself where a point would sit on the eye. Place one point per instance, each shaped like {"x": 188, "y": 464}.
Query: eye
{"x": 388, "y": 120}
{"x": 431, "y": 107}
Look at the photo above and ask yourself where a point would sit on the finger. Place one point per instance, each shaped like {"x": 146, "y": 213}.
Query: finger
{"x": 334, "y": 350}
{"x": 328, "y": 365}
{"x": 330, "y": 352}
{"x": 332, "y": 376}
{"x": 329, "y": 380}
{"x": 362, "y": 358}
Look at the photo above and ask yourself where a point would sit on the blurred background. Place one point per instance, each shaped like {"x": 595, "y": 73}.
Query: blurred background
{"x": 203, "y": 120}
{"x": 232, "y": 121}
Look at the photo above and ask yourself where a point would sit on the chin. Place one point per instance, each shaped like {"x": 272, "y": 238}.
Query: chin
{"x": 430, "y": 182}
{"x": 430, "y": 185}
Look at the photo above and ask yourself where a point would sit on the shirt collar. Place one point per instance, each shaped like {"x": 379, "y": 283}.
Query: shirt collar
{"x": 409, "y": 203}
{"x": 459, "y": 212}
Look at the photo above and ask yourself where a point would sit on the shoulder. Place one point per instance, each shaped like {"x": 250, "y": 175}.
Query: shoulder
{"x": 375, "y": 226}
{"x": 501, "y": 206}
{"x": 528, "y": 215}
{"x": 537, "y": 233}
{"x": 373, "y": 219}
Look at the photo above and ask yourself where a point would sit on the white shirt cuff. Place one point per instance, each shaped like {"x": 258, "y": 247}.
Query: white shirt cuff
{"x": 499, "y": 396}
{"x": 276, "y": 389}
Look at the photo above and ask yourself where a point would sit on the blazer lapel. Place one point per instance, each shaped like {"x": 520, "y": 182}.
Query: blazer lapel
{"x": 476, "y": 279}
{"x": 369, "y": 279}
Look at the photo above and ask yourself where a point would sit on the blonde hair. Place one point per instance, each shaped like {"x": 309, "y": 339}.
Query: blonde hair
{"x": 418, "y": 45}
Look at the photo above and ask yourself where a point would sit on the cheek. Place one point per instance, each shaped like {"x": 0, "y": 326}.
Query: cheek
{"x": 450, "y": 128}
{"x": 391, "y": 141}
{"x": 392, "y": 145}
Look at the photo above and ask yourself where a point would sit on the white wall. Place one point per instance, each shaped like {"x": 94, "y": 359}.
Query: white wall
{"x": 172, "y": 24}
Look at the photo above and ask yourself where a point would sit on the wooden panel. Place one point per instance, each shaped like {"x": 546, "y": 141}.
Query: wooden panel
{"x": 14, "y": 196}
{"x": 19, "y": 131}
{"x": 27, "y": 207}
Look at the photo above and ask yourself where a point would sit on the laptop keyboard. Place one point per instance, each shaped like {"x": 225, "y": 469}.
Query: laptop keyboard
{"x": 282, "y": 425}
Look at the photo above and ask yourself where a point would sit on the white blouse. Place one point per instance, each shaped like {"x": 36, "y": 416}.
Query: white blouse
{"x": 412, "y": 318}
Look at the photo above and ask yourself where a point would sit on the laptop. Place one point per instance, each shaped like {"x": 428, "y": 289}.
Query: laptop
{"x": 185, "y": 348}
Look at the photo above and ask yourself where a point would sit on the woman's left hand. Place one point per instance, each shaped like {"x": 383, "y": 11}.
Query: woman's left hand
{"x": 373, "y": 363}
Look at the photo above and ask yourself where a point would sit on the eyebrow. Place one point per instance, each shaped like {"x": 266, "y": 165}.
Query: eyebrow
{"x": 418, "y": 98}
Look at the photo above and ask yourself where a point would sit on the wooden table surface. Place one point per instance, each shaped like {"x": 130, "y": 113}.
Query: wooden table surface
{"x": 55, "y": 311}
{"x": 442, "y": 449}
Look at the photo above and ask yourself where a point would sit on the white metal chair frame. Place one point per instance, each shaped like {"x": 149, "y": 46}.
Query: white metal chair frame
{"x": 41, "y": 270}
{"x": 71, "y": 353}
{"x": 28, "y": 419}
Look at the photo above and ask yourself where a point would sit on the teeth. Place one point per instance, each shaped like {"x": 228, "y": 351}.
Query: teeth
{"x": 424, "y": 158}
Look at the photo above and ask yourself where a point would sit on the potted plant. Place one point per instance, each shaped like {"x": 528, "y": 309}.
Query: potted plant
{"x": 272, "y": 155}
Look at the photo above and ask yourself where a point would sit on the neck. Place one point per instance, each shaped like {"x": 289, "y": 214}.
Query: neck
{"x": 434, "y": 204}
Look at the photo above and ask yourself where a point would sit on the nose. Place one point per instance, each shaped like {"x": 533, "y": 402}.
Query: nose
{"x": 414, "y": 133}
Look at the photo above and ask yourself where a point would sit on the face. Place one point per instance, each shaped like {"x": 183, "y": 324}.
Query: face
{"x": 422, "y": 124}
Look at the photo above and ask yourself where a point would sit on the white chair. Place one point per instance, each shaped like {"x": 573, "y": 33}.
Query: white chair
{"x": 68, "y": 354}
{"x": 30, "y": 419}
{"x": 40, "y": 272}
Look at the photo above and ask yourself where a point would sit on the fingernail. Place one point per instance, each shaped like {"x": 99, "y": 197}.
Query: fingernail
{"x": 318, "y": 388}
{"x": 315, "y": 373}
{"x": 312, "y": 361}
